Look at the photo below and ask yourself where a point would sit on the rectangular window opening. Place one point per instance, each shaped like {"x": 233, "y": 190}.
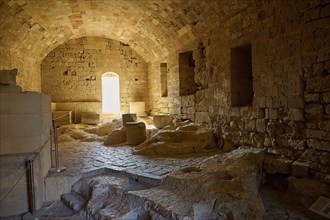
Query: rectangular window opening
{"x": 241, "y": 76}
{"x": 163, "y": 79}
{"x": 187, "y": 74}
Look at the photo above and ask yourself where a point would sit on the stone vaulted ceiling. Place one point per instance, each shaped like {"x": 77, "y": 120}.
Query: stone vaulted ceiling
{"x": 151, "y": 27}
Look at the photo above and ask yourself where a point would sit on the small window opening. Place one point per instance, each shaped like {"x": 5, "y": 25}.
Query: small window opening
{"x": 186, "y": 73}
{"x": 163, "y": 79}
{"x": 110, "y": 93}
{"x": 241, "y": 76}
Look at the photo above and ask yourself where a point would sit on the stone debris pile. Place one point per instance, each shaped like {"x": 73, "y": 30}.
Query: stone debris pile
{"x": 87, "y": 133}
{"x": 220, "y": 187}
{"x": 181, "y": 138}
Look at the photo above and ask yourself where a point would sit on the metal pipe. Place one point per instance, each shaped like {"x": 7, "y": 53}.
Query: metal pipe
{"x": 57, "y": 168}
{"x": 57, "y": 162}
{"x": 32, "y": 199}
{"x": 75, "y": 115}
{"x": 51, "y": 147}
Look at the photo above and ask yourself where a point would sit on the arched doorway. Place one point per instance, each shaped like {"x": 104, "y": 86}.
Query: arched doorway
{"x": 110, "y": 93}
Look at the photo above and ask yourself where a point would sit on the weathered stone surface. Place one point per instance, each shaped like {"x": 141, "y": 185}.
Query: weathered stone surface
{"x": 116, "y": 137}
{"x": 318, "y": 134}
{"x": 300, "y": 169}
{"x": 313, "y": 157}
{"x": 261, "y": 125}
{"x": 73, "y": 71}
{"x": 274, "y": 165}
{"x": 90, "y": 118}
{"x": 305, "y": 191}
{"x": 326, "y": 97}
{"x": 296, "y": 114}
{"x": 327, "y": 109}
{"x": 318, "y": 145}
{"x": 186, "y": 139}
{"x": 227, "y": 195}
{"x": 315, "y": 109}
{"x": 106, "y": 128}
{"x": 312, "y": 97}
{"x": 160, "y": 121}
{"x": 89, "y": 133}
{"x": 135, "y": 132}
{"x": 129, "y": 117}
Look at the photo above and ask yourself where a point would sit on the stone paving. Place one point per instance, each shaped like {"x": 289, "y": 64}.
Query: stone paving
{"x": 82, "y": 157}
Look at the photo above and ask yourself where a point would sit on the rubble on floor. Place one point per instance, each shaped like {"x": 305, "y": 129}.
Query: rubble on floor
{"x": 87, "y": 133}
{"x": 220, "y": 187}
{"x": 182, "y": 138}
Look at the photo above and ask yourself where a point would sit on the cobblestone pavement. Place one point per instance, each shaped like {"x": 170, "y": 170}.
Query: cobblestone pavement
{"x": 82, "y": 157}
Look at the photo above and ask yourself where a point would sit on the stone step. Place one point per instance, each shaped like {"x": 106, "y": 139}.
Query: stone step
{"x": 73, "y": 201}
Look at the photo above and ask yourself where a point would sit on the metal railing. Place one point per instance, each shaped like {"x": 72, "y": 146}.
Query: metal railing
{"x": 29, "y": 172}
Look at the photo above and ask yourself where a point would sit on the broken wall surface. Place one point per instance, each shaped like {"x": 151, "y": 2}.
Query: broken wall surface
{"x": 289, "y": 114}
{"x": 73, "y": 71}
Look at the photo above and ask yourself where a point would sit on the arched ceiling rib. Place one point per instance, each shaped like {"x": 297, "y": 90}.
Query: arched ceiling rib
{"x": 151, "y": 27}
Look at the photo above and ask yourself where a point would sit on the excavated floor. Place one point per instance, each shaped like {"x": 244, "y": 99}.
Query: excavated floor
{"x": 88, "y": 157}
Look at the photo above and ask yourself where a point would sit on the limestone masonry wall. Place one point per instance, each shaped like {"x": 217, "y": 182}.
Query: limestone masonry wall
{"x": 290, "y": 113}
{"x": 14, "y": 54}
{"x": 73, "y": 71}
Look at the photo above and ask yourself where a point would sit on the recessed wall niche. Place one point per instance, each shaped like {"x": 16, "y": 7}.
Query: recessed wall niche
{"x": 163, "y": 79}
{"x": 186, "y": 74}
{"x": 241, "y": 79}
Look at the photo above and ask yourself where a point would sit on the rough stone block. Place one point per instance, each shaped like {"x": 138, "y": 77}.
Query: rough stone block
{"x": 250, "y": 125}
{"x": 90, "y": 118}
{"x": 296, "y": 114}
{"x": 318, "y": 84}
{"x": 315, "y": 158}
{"x": 317, "y": 134}
{"x": 312, "y": 97}
{"x": 324, "y": 125}
{"x": 261, "y": 125}
{"x": 8, "y": 77}
{"x": 318, "y": 144}
{"x": 62, "y": 117}
{"x": 326, "y": 97}
{"x": 10, "y": 89}
{"x": 128, "y": 118}
{"x": 296, "y": 102}
{"x": 136, "y": 132}
{"x": 161, "y": 121}
{"x": 274, "y": 165}
{"x": 327, "y": 109}
{"x": 272, "y": 113}
{"x": 314, "y": 109}
{"x": 300, "y": 169}
{"x": 202, "y": 117}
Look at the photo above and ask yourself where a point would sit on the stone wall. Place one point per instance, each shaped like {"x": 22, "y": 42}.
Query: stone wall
{"x": 289, "y": 116}
{"x": 18, "y": 54}
{"x": 28, "y": 68}
{"x": 73, "y": 71}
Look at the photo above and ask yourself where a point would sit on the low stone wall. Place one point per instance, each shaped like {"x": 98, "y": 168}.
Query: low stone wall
{"x": 25, "y": 120}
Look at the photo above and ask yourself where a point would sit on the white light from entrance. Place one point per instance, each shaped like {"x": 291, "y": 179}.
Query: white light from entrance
{"x": 110, "y": 93}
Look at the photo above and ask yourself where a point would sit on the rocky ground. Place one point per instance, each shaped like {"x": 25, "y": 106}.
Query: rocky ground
{"x": 211, "y": 183}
